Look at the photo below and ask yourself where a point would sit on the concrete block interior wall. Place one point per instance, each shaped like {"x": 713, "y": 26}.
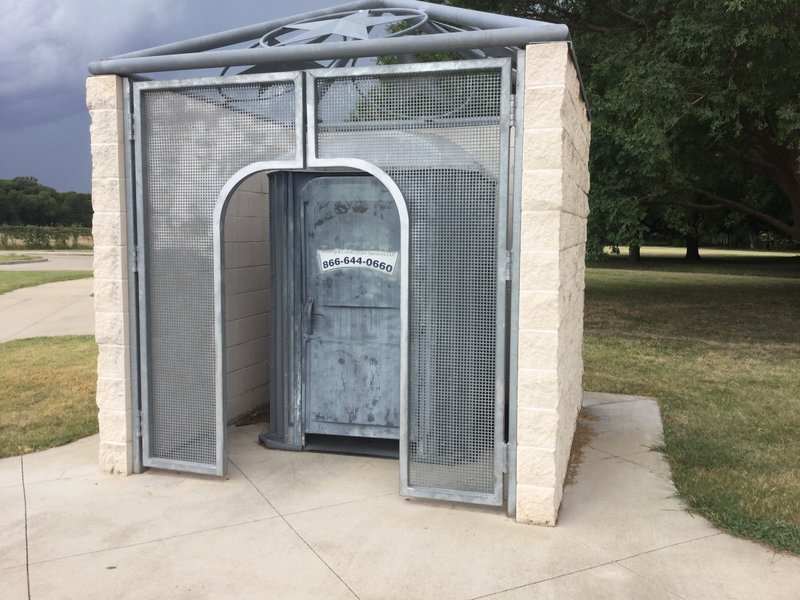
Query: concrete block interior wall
{"x": 247, "y": 302}
{"x": 555, "y": 185}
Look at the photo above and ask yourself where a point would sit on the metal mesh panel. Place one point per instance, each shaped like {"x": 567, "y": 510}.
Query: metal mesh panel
{"x": 193, "y": 141}
{"x": 438, "y": 136}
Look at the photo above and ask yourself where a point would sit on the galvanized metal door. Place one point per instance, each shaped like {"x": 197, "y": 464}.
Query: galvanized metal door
{"x": 191, "y": 138}
{"x": 351, "y": 306}
{"x": 440, "y": 131}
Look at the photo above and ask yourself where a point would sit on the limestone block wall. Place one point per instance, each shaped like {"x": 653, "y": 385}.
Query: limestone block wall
{"x": 555, "y": 184}
{"x": 247, "y": 303}
{"x": 104, "y": 100}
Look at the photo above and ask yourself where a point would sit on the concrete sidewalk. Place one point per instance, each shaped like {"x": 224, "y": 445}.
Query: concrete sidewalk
{"x": 302, "y": 525}
{"x": 51, "y": 260}
{"x": 63, "y": 308}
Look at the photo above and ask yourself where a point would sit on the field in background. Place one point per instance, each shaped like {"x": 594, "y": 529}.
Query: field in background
{"x": 721, "y": 352}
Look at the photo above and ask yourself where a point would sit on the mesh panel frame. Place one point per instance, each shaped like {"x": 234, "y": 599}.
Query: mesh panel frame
{"x": 439, "y": 135}
{"x": 191, "y": 140}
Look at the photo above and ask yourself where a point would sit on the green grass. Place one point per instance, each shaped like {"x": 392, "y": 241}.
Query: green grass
{"x": 12, "y": 280}
{"x": 722, "y": 355}
{"x": 12, "y": 258}
{"x": 47, "y": 392}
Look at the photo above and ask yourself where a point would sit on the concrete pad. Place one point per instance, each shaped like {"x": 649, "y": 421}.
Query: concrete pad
{"x": 12, "y": 528}
{"x": 254, "y": 560}
{"x": 14, "y": 583}
{"x": 78, "y": 459}
{"x": 63, "y": 308}
{"x": 299, "y": 481}
{"x": 609, "y": 582}
{"x": 721, "y": 568}
{"x": 598, "y": 398}
{"x": 652, "y": 460}
{"x": 390, "y": 547}
{"x": 67, "y": 517}
{"x": 10, "y": 472}
{"x": 625, "y": 428}
{"x": 624, "y": 509}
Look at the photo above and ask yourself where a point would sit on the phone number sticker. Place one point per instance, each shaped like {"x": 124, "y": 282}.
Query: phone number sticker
{"x": 374, "y": 260}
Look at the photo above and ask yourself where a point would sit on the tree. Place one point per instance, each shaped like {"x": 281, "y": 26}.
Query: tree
{"x": 695, "y": 104}
{"x": 24, "y": 201}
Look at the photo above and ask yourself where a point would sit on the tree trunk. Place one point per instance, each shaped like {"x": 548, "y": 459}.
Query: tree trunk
{"x": 692, "y": 247}
{"x": 634, "y": 253}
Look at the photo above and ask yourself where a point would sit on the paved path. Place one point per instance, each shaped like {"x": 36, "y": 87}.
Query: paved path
{"x": 304, "y": 525}
{"x": 56, "y": 261}
{"x": 63, "y": 308}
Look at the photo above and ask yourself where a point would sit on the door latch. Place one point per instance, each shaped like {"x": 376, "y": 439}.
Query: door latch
{"x": 309, "y": 305}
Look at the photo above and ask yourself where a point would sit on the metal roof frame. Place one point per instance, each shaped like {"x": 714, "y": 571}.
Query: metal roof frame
{"x": 479, "y": 31}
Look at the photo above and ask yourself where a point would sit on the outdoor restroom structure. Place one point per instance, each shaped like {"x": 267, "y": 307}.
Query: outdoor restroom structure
{"x": 388, "y": 252}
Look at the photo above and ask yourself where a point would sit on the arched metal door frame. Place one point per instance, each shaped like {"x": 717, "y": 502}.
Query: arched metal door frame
{"x": 220, "y": 209}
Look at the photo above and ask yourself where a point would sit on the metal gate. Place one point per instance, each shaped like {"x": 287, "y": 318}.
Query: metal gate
{"x": 440, "y": 131}
{"x": 191, "y": 137}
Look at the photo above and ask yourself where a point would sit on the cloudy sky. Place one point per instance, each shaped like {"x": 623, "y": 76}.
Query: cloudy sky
{"x": 45, "y": 47}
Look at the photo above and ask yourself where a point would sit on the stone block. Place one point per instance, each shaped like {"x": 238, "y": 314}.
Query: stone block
{"x": 113, "y": 362}
{"x": 108, "y": 195}
{"x": 537, "y": 427}
{"x": 543, "y": 148}
{"x": 542, "y": 189}
{"x": 104, "y": 92}
{"x": 546, "y": 64}
{"x": 539, "y": 270}
{"x": 110, "y": 262}
{"x": 536, "y": 505}
{"x": 116, "y": 458}
{"x": 572, "y": 232}
{"x": 109, "y": 228}
{"x": 537, "y": 388}
{"x": 539, "y": 230}
{"x": 108, "y": 160}
{"x": 111, "y": 295}
{"x": 544, "y": 106}
{"x": 111, "y": 328}
{"x": 115, "y": 425}
{"x": 538, "y": 309}
{"x": 536, "y": 466}
{"x": 538, "y": 349}
{"x": 106, "y": 126}
{"x": 113, "y": 393}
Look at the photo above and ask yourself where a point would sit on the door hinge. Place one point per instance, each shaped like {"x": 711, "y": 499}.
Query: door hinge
{"x": 135, "y": 259}
{"x": 507, "y": 270}
{"x": 137, "y": 424}
{"x": 512, "y": 112}
{"x": 131, "y": 128}
{"x": 504, "y": 457}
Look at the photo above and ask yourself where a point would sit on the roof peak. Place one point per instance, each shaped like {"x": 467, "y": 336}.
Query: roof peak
{"x": 341, "y": 35}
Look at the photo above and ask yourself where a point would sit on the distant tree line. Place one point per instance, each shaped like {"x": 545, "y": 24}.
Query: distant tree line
{"x": 24, "y": 201}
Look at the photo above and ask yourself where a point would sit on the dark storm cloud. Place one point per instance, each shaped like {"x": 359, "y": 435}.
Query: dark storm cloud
{"x": 45, "y": 47}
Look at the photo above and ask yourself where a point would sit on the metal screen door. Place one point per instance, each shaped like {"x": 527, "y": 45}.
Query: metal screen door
{"x": 351, "y": 306}
{"x": 191, "y": 137}
{"x": 441, "y": 132}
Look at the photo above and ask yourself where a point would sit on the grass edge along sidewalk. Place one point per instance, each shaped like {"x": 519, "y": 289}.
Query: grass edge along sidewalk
{"x": 47, "y": 392}
{"x": 722, "y": 355}
{"x": 14, "y": 280}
